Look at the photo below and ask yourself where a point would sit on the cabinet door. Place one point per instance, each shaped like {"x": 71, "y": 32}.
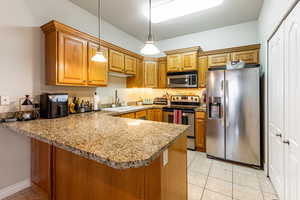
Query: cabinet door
{"x": 116, "y": 61}
{"x": 162, "y": 82}
{"x": 72, "y": 60}
{"x": 218, "y": 60}
{"x": 174, "y": 63}
{"x": 151, "y": 75}
{"x": 150, "y": 115}
{"x": 158, "y": 115}
{"x": 189, "y": 61}
{"x": 276, "y": 111}
{"x": 203, "y": 68}
{"x": 97, "y": 71}
{"x": 200, "y": 134}
{"x": 128, "y": 115}
{"x": 292, "y": 99}
{"x": 249, "y": 57}
{"x": 141, "y": 115}
{"x": 130, "y": 65}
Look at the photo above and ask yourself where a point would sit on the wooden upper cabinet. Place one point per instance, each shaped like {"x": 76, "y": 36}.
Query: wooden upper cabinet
{"x": 97, "y": 71}
{"x": 218, "y": 60}
{"x": 174, "y": 63}
{"x": 130, "y": 65}
{"x": 137, "y": 81}
{"x": 72, "y": 60}
{"x": 116, "y": 61}
{"x": 189, "y": 61}
{"x": 151, "y": 75}
{"x": 203, "y": 68}
{"x": 249, "y": 57}
{"x": 162, "y": 74}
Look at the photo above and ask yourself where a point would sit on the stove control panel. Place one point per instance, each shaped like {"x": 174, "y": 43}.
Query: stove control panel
{"x": 185, "y": 99}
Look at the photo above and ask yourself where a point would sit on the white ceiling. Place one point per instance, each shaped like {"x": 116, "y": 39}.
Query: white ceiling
{"x": 128, "y": 16}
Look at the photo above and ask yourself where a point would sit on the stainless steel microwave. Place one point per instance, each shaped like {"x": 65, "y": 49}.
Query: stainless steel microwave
{"x": 183, "y": 80}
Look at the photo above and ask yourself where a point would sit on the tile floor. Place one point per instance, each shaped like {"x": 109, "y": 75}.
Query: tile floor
{"x": 216, "y": 180}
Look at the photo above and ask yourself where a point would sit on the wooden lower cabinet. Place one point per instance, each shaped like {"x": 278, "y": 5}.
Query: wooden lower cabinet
{"x": 200, "y": 129}
{"x": 128, "y": 115}
{"x": 155, "y": 115}
{"x": 77, "y": 178}
{"x": 141, "y": 115}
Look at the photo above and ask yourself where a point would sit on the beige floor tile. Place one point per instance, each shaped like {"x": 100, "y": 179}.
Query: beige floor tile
{"x": 221, "y": 173}
{"x": 246, "y": 179}
{"x": 191, "y": 156}
{"x": 222, "y": 164}
{"x": 194, "y": 192}
{"x": 196, "y": 178}
{"x": 268, "y": 196}
{"x": 246, "y": 193}
{"x": 209, "y": 195}
{"x": 245, "y": 170}
{"x": 220, "y": 186}
{"x": 200, "y": 165}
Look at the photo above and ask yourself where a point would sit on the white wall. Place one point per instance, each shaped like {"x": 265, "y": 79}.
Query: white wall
{"x": 22, "y": 69}
{"x": 226, "y": 37}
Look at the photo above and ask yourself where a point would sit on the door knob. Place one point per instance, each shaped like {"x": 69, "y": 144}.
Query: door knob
{"x": 286, "y": 142}
{"x": 278, "y": 135}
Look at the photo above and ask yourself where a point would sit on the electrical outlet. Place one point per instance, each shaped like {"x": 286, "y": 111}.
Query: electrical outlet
{"x": 4, "y": 100}
{"x": 165, "y": 157}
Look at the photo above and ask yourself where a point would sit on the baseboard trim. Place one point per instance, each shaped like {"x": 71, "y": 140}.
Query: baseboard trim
{"x": 12, "y": 189}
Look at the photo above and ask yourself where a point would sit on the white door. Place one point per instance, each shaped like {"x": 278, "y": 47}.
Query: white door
{"x": 276, "y": 111}
{"x": 292, "y": 117}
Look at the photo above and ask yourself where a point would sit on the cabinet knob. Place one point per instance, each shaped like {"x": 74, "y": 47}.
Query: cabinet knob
{"x": 278, "y": 135}
{"x": 286, "y": 142}
{"x": 84, "y": 81}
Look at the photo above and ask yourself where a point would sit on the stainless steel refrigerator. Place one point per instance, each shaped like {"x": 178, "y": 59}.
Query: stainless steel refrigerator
{"x": 233, "y": 117}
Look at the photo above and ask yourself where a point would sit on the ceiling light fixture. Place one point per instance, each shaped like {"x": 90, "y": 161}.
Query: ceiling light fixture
{"x": 150, "y": 48}
{"x": 99, "y": 57}
{"x": 177, "y": 8}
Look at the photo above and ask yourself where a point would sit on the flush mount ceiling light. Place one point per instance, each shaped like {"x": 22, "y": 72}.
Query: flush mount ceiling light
{"x": 149, "y": 48}
{"x": 99, "y": 57}
{"x": 177, "y": 8}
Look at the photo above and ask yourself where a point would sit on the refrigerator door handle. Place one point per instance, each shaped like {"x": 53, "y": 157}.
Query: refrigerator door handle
{"x": 227, "y": 103}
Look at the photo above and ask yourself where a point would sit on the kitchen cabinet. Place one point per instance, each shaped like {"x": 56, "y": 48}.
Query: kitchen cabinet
{"x": 203, "y": 68}
{"x": 249, "y": 57}
{"x": 189, "y": 61}
{"x": 151, "y": 74}
{"x": 130, "y": 65}
{"x": 218, "y": 60}
{"x": 128, "y": 115}
{"x": 97, "y": 71}
{"x": 141, "y": 115}
{"x": 200, "y": 129}
{"x": 162, "y": 74}
{"x": 155, "y": 115}
{"x": 116, "y": 61}
{"x": 137, "y": 81}
{"x": 174, "y": 63}
{"x": 72, "y": 60}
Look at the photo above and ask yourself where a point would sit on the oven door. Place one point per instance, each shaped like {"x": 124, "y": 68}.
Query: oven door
{"x": 188, "y": 118}
{"x": 183, "y": 81}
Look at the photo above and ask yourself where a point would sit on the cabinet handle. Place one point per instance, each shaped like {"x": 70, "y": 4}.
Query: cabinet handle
{"x": 84, "y": 81}
{"x": 286, "y": 142}
{"x": 278, "y": 135}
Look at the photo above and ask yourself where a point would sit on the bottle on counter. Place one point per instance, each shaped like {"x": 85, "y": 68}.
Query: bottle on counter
{"x": 97, "y": 105}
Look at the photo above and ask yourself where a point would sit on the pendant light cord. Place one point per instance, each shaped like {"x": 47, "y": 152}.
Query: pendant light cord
{"x": 150, "y": 38}
{"x": 99, "y": 23}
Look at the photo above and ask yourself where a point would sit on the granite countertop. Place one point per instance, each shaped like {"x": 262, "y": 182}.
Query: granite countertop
{"x": 119, "y": 143}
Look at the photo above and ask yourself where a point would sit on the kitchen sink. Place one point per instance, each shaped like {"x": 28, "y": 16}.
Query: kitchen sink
{"x": 123, "y": 108}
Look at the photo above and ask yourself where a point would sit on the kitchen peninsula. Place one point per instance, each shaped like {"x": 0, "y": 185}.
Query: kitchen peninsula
{"x": 99, "y": 156}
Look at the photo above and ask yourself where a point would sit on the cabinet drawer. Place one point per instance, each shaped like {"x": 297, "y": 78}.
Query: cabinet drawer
{"x": 128, "y": 115}
{"x": 200, "y": 115}
{"x": 141, "y": 115}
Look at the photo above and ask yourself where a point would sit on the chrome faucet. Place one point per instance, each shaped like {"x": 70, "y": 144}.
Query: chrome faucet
{"x": 117, "y": 99}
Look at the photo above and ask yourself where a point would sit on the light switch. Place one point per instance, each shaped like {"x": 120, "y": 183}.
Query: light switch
{"x": 165, "y": 157}
{"x": 4, "y": 100}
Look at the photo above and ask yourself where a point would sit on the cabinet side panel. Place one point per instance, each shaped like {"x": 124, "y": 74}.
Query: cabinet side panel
{"x": 51, "y": 58}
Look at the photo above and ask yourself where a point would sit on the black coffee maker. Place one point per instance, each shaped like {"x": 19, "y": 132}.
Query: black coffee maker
{"x": 54, "y": 105}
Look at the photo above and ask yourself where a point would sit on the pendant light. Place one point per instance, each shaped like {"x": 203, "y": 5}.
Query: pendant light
{"x": 99, "y": 57}
{"x": 150, "y": 48}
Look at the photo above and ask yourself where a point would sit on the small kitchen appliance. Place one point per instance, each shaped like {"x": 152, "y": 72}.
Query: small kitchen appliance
{"x": 187, "y": 105}
{"x": 54, "y": 105}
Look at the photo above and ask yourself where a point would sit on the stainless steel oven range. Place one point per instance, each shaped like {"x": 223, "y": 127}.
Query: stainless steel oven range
{"x": 187, "y": 105}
